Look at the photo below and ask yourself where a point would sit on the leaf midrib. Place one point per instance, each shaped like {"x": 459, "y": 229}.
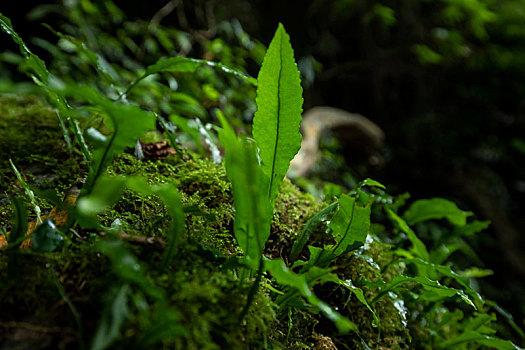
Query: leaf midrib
{"x": 347, "y": 228}
{"x": 272, "y": 173}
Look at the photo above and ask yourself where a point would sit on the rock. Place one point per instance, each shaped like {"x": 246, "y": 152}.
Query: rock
{"x": 360, "y": 137}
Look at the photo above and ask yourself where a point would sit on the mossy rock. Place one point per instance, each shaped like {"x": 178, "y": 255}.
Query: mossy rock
{"x": 31, "y": 138}
{"x": 201, "y": 292}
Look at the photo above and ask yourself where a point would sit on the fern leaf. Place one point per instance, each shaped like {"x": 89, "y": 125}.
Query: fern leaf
{"x": 279, "y": 107}
{"x": 252, "y": 210}
{"x": 350, "y": 224}
{"x": 129, "y": 123}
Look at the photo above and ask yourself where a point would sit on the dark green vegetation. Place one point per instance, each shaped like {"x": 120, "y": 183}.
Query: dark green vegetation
{"x": 445, "y": 81}
{"x": 182, "y": 252}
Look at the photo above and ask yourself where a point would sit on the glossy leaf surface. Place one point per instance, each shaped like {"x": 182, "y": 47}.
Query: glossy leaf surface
{"x": 284, "y": 276}
{"x": 440, "y": 291}
{"x": 46, "y": 237}
{"x": 350, "y": 224}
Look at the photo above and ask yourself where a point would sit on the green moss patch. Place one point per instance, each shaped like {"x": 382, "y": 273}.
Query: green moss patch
{"x": 200, "y": 297}
{"x": 30, "y": 135}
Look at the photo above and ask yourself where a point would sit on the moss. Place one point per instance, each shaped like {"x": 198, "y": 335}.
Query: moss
{"x": 204, "y": 185}
{"x": 30, "y": 298}
{"x": 296, "y": 329}
{"x": 292, "y": 209}
{"x": 207, "y": 300}
{"x": 206, "y": 297}
{"x": 30, "y": 135}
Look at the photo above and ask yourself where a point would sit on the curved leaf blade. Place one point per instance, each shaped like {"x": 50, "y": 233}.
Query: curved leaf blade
{"x": 360, "y": 295}
{"x": 129, "y": 124}
{"x": 418, "y": 246}
{"x": 436, "y": 208}
{"x": 19, "y": 225}
{"x": 440, "y": 291}
{"x": 309, "y": 227}
{"x": 33, "y": 61}
{"x": 113, "y": 317}
{"x": 445, "y": 270}
{"x": 350, "y": 224}
{"x": 470, "y": 336}
{"x": 189, "y": 65}
{"x": 284, "y": 276}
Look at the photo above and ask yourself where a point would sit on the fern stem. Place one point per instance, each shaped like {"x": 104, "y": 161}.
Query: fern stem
{"x": 253, "y": 290}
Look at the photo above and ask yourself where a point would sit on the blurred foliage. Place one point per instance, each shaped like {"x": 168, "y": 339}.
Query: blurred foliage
{"x": 95, "y": 43}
